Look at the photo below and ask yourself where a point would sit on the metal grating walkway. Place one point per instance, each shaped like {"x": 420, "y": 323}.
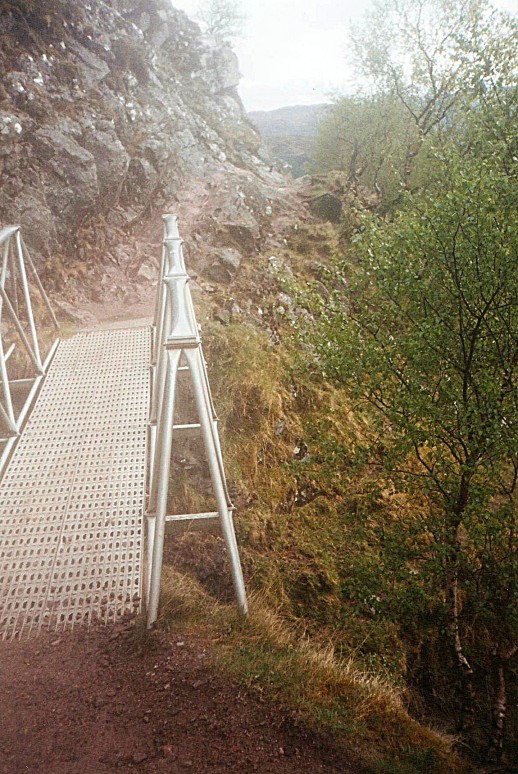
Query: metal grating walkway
{"x": 72, "y": 497}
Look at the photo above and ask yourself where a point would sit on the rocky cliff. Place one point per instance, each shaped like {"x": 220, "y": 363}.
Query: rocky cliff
{"x": 111, "y": 112}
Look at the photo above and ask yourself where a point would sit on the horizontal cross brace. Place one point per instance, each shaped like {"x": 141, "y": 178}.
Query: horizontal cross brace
{"x": 188, "y": 431}
{"x": 192, "y": 516}
{"x": 194, "y": 522}
{"x": 9, "y": 437}
{"x": 180, "y": 369}
{"x": 21, "y": 382}
{"x": 185, "y": 430}
{"x": 182, "y": 342}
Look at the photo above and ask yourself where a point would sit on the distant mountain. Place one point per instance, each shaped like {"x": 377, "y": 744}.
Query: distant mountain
{"x": 301, "y": 120}
{"x": 289, "y": 132}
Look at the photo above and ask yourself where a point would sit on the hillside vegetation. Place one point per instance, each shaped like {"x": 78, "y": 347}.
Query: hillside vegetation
{"x": 371, "y": 426}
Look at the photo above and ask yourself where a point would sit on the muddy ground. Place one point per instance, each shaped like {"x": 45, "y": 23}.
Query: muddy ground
{"x": 103, "y": 700}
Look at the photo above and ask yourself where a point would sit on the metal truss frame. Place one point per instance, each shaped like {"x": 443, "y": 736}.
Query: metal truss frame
{"x": 177, "y": 348}
{"x": 16, "y": 294}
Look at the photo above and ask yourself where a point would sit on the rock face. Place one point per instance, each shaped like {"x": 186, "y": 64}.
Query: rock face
{"x": 113, "y": 111}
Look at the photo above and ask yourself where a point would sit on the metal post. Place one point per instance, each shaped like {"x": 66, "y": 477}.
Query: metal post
{"x": 27, "y": 297}
{"x": 170, "y": 226}
{"x": 14, "y": 278}
{"x": 151, "y": 523}
{"x": 171, "y": 266}
{"x": 9, "y": 422}
{"x": 46, "y": 300}
{"x": 158, "y": 326}
{"x": 36, "y": 361}
{"x": 157, "y": 409}
{"x": 170, "y": 231}
{"x": 156, "y": 316}
{"x": 164, "y": 456}
{"x": 159, "y": 369}
{"x": 6, "y": 389}
{"x": 227, "y": 526}
{"x": 5, "y": 262}
{"x": 156, "y": 436}
{"x": 212, "y": 412}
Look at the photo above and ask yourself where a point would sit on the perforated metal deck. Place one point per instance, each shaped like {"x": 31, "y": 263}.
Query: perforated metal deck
{"x": 72, "y": 497}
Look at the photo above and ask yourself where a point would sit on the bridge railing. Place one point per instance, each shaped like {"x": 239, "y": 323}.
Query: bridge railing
{"x": 177, "y": 351}
{"x": 19, "y": 284}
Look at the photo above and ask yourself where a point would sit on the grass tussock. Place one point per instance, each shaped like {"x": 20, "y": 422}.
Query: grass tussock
{"x": 364, "y": 712}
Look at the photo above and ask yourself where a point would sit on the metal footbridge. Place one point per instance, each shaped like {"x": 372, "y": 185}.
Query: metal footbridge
{"x": 85, "y": 465}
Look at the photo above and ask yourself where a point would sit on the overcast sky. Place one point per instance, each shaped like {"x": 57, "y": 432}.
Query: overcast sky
{"x": 293, "y": 52}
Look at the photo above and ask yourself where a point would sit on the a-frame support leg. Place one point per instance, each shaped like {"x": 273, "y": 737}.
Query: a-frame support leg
{"x": 164, "y": 443}
{"x": 194, "y": 360}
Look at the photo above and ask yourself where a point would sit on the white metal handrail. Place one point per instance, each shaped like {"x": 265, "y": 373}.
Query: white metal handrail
{"x": 177, "y": 348}
{"x": 16, "y": 267}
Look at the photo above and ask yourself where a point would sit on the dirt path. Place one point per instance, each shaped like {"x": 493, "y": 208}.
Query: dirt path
{"x": 94, "y": 702}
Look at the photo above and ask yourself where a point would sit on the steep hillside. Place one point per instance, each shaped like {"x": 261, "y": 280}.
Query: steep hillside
{"x": 110, "y": 113}
{"x": 289, "y": 133}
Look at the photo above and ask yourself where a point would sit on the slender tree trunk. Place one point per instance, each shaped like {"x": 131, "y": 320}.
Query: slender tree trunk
{"x": 452, "y": 586}
{"x": 501, "y": 658}
{"x": 410, "y": 156}
{"x": 463, "y": 665}
{"x": 498, "y": 711}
